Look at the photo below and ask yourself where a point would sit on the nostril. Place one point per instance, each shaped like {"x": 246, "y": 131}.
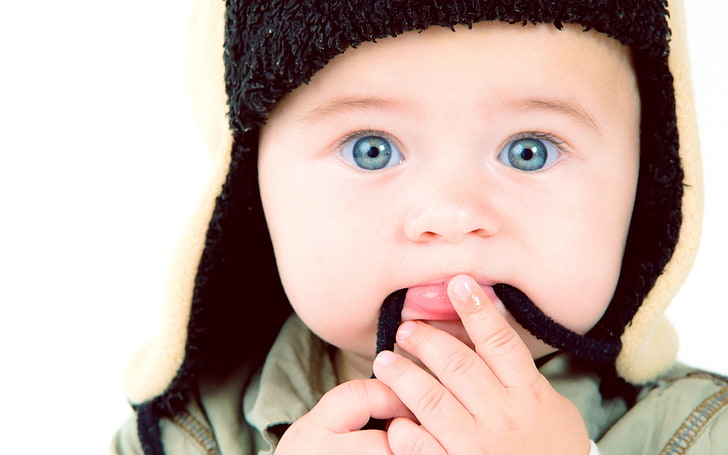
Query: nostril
{"x": 448, "y": 224}
{"x": 480, "y": 232}
{"x": 448, "y": 236}
{"x": 425, "y": 236}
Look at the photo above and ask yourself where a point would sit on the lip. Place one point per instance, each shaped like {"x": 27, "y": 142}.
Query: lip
{"x": 430, "y": 301}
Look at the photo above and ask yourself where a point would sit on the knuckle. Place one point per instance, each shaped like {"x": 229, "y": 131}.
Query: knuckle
{"x": 501, "y": 342}
{"x": 406, "y": 439}
{"x": 545, "y": 396}
{"x": 300, "y": 430}
{"x": 458, "y": 365}
{"x": 541, "y": 390}
{"x": 431, "y": 401}
{"x": 355, "y": 389}
{"x": 506, "y": 424}
{"x": 414, "y": 446}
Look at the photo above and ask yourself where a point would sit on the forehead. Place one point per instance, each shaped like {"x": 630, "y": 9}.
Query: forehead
{"x": 497, "y": 60}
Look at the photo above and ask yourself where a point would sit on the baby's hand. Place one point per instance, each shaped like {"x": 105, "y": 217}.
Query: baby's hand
{"x": 333, "y": 425}
{"x": 489, "y": 401}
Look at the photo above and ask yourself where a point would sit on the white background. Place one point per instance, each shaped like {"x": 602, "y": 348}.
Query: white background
{"x": 100, "y": 165}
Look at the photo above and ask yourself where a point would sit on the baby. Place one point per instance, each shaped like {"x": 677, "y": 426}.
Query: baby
{"x": 500, "y": 184}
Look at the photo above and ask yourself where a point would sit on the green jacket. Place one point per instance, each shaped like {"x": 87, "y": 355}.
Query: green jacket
{"x": 684, "y": 411}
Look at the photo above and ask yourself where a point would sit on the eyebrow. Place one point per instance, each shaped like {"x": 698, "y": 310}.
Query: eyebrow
{"x": 346, "y": 105}
{"x": 340, "y": 106}
{"x": 564, "y": 107}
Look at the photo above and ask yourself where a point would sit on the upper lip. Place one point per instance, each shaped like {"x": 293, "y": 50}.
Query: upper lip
{"x": 445, "y": 279}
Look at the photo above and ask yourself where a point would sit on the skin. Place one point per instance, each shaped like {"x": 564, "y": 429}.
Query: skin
{"x": 448, "y": 218}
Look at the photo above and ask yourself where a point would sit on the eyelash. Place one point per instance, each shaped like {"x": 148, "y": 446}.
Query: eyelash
{"x": 560, "y": 144}
{"x": 360, "y": 134}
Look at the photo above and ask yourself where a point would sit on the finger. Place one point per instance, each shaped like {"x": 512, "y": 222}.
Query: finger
{"x": 495, "y": 340}
{"x": 460, "y": 369}
{"x": 361, "y": 442}
{"x": 435, "y": 407}
{"x": 408, "y": 438}
{"x": 349, "y": 406}
{"x": 302, "y": 438}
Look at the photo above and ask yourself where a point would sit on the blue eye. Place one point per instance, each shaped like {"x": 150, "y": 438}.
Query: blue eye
{"x": 371, "y": 153}
{"x": 529, "y": 154}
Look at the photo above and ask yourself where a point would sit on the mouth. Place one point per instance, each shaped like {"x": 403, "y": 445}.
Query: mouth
{"x": 430, "y": 302}
{"x": 426, "y": 302}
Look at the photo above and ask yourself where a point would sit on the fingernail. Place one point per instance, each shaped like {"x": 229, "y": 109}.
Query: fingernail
{"x": 406, "y": 329}
{"x": 384, "y": 358}
{"x": 461, "y": 286}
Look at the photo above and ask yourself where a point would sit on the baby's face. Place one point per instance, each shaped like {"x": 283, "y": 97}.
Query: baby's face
{"x": 505, "y": 152}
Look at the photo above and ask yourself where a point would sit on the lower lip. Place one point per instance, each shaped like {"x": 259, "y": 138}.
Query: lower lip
{"x": 431, "y": 303}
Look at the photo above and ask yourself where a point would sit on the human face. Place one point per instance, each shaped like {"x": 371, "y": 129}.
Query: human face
{"x": 505, "y": 152}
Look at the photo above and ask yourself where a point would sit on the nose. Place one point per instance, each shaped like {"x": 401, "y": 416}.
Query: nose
{"x": 447, "y": 225}
{"x": 451, "y": 213}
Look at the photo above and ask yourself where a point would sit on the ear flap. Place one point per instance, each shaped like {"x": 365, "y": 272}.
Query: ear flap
{"x": 155, "y": 365}
{"x": 649, "y": 343}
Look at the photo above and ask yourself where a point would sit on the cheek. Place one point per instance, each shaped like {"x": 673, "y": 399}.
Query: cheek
{"x": 318, "y": 243}
{"x": 582, "y": 249}
{"x": 330, "y": 249}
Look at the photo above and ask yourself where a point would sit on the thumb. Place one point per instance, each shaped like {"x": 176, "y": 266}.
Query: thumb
{"x": 349, "y": 406}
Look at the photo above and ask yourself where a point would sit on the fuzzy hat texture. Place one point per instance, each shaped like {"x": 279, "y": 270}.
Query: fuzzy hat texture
{"x": 246, "y": 56}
